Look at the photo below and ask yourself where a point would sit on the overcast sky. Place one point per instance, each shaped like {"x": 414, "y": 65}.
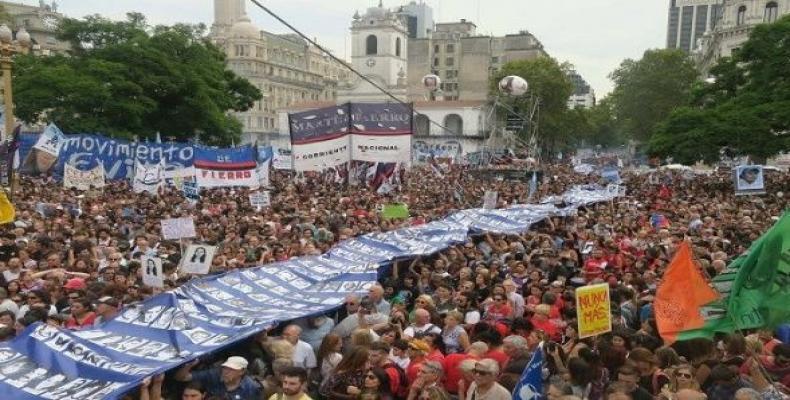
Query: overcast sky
{"x": 594, "y": 35}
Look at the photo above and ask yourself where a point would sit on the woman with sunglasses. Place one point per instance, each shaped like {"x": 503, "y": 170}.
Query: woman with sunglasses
{"x": 485, "y": 386}
{"x": 377, "y": 382}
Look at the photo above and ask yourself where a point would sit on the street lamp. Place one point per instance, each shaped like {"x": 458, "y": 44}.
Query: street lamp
{"x": 9, "y": 47}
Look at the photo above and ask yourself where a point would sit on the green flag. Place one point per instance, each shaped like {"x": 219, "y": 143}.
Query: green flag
{"x": 397, "y": 210}
{"x": 760, "y": 293}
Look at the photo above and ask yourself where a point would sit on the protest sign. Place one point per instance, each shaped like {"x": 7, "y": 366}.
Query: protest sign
{"x": 83, "y": 180}
{"x": 197, "y": 259}
{"x": 50, "y": 140}
{"x": 191, "y": 190}
{"x": 397, "y": 210}
{"x": 260, "y": 199}
{"x": 490, "y": 199}
{"x": 153, "y": 275}
{"x": 177, "y": 228}
{"x": 749, "y": 180}
{"x": 593, "y": 310}
{"x": 148, "y": 178}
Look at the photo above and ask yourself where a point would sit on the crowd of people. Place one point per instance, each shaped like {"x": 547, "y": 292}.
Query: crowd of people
{"x": 460, "y": 324}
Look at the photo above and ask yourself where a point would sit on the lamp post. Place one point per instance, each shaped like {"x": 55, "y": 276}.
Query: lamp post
{"x": 9, "y": 47}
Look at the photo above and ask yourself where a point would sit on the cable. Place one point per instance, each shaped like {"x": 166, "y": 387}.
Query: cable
{"x": 357, "y": 73}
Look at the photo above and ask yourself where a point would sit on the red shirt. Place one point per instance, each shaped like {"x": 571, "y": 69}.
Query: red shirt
{"x": 413, "y": 370}
{"x": 498, "y": 313}
{"x": 435, "y": 355}
{"x": 547, "y": 326}
{"x": 593, "y": 268}
{"x": 452, "y": 372}
{"x": 87, "y": 321}
{"x": 392, "y": 372}
{"x": 499, "y": 356}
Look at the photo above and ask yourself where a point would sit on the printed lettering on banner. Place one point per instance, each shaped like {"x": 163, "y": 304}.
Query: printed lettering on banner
{"x": 83, "y": 180}
{"x": 191, "y": 190}
{"x": 153, "y": 275}
{"x": 197, "y": 259}
{"x": 177, "y": 228}
{"x": 260, "y": 200}
{"x": 593, "y": 310}
{"x": 490, "y": 199}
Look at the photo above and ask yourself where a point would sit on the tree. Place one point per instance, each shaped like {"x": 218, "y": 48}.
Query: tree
{"x": 548, "y": 84}
{"x": 127, "y": 79}
{"x": 745, "y": 107}
{"x": 604, "y": 129}
{"x": 647, "y": 90}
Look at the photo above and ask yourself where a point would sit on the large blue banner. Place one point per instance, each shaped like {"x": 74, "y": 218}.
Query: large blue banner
{"x": 208, "y": 314}
{"x": 118, "y": 156}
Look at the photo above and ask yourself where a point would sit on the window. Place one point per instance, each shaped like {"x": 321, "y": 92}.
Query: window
{"x": 436, "y": 48}
{"x": 771, "y": 12}
{"x": 450, "y": 61}
{"x": 422, "y": 125}
{"x": 451, "y": 48}
{"x": 454, "y": 124}
{"x": 740, "y": 18}
{"x": 397, "y": 47}
{"x": 494, "y": 60}
{"x": 436, "y": 62}
{"x": 371, "y": 45}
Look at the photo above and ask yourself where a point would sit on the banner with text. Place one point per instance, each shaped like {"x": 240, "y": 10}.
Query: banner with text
{"x": 381, "y": 132}
{"x": 593, "y": 310}
{"x": 83, "y": 180}
{"x": 226, "y": 167}
{"x": 319, "y": 138}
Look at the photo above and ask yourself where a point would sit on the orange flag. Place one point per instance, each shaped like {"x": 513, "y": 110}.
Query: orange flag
{"x": 682, "y": 292}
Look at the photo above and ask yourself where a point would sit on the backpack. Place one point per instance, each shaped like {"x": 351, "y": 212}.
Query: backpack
{"x": 403, "y": 384}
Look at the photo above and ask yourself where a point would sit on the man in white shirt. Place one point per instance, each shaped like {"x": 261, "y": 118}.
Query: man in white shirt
{"x": 376, "y": 294}
{"x": 366, "y": 317}
{"x": 422, "y": 325}
{"x": 515, "y": 299}
{"x": 304, "y": 356}
{"x": 485, "y": 386}
{"x": 14, "y": 269}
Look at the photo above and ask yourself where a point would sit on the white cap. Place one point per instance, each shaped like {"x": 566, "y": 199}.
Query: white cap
{"x": 235, "y": 362}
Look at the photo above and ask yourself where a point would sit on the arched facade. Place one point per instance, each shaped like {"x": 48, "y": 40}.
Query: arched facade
{"x": 455, "y": 124}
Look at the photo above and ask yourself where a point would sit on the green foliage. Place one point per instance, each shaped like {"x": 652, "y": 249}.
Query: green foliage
{"x": 603, "y": 127}
{"x": 125, "y": 79}
{"x": 746, "y": 108}
{"x": 647, "y": 90}
{"x": 549, "y": 83}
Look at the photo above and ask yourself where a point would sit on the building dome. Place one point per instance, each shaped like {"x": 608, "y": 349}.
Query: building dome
{"x": 244, "y": 29}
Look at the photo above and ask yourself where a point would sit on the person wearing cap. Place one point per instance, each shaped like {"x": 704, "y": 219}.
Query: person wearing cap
{"x": 106, "y": 309}
{"x": 485, "y": 386}
{"x": 229, "y": 381}
{"x": 418, "y": 349}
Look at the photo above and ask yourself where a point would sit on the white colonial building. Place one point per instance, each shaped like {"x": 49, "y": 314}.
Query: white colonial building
{"x": 378, "y": 51}
{"x": 733, "y": 27}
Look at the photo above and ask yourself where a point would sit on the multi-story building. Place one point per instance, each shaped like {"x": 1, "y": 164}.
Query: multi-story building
{"x": 583, "y": 95}
{"x": 419, "y": 19}
{"x": 464, "y": 60}
{"x": 286, "y": 68}
{"x": 737, "y": 20}
{"x": 40, "y": 22}
{"x": 689, "y": 20}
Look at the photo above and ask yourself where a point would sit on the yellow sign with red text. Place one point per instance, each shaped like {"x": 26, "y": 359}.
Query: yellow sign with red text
{"x": 593, "y": 310}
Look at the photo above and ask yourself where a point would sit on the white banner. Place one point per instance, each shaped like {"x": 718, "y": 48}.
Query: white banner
{"x": 50, "y": 140}
{"x": 321, "y": 155}
{"x": 381, "y": 148}
{"x": 282, "y": 159}
{"x": 209, "y": 178}
{"x": 83, "y": 180}
{"x": 260, "y": 199}
{"x": 153, "y": 275}
{"x": 177, "y": 228}
{"x": 148, "y": 178}
{"x": 197, "y": 259}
